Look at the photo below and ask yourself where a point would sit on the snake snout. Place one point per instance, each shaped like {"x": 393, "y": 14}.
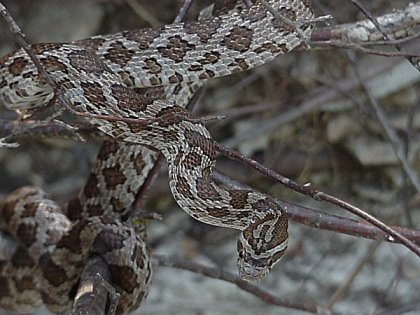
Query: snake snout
{"x": 251, "y": 273}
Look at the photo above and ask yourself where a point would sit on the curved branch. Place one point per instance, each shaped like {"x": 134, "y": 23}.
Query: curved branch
{"x": 227, "y": 276}
{"x": 329, "y": 222}
{"x": 319, "y": 196}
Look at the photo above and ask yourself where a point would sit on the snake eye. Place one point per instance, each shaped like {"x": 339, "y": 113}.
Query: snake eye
{"x": 241, "y": 254}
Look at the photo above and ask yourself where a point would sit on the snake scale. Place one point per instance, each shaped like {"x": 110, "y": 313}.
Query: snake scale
{"x": 104, "y": 76}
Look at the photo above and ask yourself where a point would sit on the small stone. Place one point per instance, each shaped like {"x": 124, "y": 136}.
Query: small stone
{"x": 340, "y": 128}
{"x": 372, "y": 151}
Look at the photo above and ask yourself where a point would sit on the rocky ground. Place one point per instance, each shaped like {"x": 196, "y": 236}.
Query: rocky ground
{"x": 292, "y": 116}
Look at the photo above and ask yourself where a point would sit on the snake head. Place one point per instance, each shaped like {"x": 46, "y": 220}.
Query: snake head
{"x": 261, "y": 245}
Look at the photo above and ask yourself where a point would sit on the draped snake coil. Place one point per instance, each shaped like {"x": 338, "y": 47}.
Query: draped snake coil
{"x": 100, "y": 77}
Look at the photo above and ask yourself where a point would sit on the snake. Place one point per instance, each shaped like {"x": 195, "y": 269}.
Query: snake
{"x": 133, "y": 86}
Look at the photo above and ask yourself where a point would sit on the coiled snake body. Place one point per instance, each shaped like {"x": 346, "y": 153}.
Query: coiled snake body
{"x": 96, "y": 77}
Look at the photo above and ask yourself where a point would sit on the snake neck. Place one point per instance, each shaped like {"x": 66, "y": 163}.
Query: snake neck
{"x": 191, "y": 156}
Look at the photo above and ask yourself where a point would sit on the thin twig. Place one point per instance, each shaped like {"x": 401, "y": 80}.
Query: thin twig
{"x": 216, "y": 273}
{"x": 354, "y": 46}
{"x": 345, "y": 285}
{"x": 37, "y": 128}
{"x": 392, "y": 41}
{"x": 54, "y": 129}
{"x": 399, "y": 24}
{"x": 141, "y": 11}
{"x": 296, "y": 25}
{"x": 412, "y": 59}
{"x": 397, "y": 145}
{"x": 371, "y": 18}
{"x": 140, "y": 122}
{"x": 183, "y": 10}
{"x": 20, "y": 38}
{"x": 391, "y": 134}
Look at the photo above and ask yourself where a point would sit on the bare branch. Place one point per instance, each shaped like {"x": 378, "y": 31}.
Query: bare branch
{"x": 216, "y": 273}
{"x": 91, "y": 297}
{"x": 319, "y": 196}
